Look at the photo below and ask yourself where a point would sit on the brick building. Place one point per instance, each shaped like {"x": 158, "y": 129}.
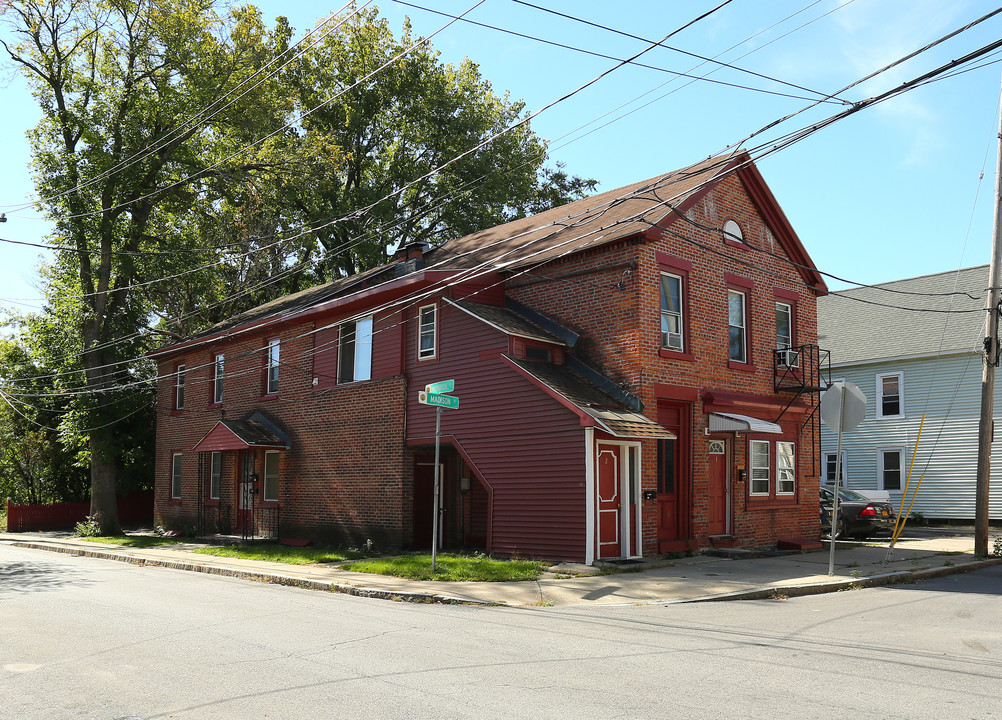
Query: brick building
{"x": 637, "y": 374}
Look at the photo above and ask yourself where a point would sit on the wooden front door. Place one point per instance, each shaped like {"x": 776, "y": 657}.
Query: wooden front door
{"x": 609, "y": 492}
{"x": 246, "y": 487}
{"x": 718, "y": 510}
{"x": 673, "y": 509}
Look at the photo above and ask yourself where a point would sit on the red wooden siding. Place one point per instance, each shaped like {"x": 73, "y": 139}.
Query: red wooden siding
{"x": 529, "y": 448}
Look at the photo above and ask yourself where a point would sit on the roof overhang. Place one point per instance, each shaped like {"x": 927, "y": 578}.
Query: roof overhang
{"x": 255, "y": 432}
{"x": 732, "y": 422}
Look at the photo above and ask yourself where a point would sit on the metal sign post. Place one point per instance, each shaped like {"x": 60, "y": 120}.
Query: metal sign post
{"x": 432, "y": 395}
{"x": 843, "y": 407}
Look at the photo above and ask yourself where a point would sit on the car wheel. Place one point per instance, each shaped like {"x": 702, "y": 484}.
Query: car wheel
{"x": 840, "y": 531}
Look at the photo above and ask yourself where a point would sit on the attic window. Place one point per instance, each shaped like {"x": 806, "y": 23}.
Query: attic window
{"x": 533, "y": 352}
{"x": 733, "y": 234}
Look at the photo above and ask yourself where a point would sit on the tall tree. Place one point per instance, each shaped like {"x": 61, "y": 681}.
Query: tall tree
{"x": 117, "y": 81}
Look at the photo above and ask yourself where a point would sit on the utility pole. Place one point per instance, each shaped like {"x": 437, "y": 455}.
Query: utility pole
{"x": 986, "y": 425}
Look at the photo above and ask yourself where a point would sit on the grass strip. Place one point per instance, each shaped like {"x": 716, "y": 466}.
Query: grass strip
{"x": 453, "y": 568}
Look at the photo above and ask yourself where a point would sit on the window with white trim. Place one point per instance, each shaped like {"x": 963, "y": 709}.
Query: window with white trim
{"x": 737, "y": 326}
{"x": 427, "y": 321}
{"x": 890, "y": 395}
{"x": 271, "y": 476}
{"x": 758, "y": 451}
{"x": 786, "y": 468}
{"x": 274, "y": 351}
{"x": 889, "y": 468}
{"x": 829, "y": 469}
{"x": 179, "y": 374}
{"x": 732, "y": 232}
{"x": 672, "y": 313}
{"x": 215, "y": 474}
{"x": 218, "y": 367}
{"x": 784, "y": 326}
{"x": 175, "y": 476}
{"x": 355, "y": 351}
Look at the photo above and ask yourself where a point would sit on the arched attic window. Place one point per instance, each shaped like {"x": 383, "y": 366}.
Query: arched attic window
{"x": 733, "y": 234}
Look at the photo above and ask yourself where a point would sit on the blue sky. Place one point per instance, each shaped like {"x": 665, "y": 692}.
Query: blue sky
{"x": 890, "y": 192}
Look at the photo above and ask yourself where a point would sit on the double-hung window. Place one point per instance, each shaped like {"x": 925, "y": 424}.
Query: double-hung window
{"x": 737, "y": 326}
{"x": 890, "y": 396}
{"x": 215, "y": 474}
{"x": 760, "y": 467}
{"x": 355, "y": 351}
{"x": 830, "y": 467}
{"x": 175, "y": 476}
{"x": 672, "y": 313}
{"x": 786, "y": 468}
{"x": 889, "y": 471}
{"x": 427, "y": 321}
{"x": 773, "y": 467}
{"x": 271, "y": 476}
{"x": 271, "y": 379}
{"x": 217, "y": 378}
{"x": 179, "y": 374}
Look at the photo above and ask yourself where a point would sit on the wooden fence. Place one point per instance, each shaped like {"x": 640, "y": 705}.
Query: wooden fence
{"x": 134, "y": 509}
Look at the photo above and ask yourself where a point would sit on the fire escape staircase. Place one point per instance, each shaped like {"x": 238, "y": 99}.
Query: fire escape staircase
{"x": 799, "y": 371}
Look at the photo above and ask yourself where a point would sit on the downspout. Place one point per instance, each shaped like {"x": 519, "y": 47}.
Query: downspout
{"x": 589, "y": 437}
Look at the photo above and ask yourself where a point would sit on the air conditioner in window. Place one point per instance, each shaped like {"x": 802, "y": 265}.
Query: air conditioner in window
{"x": 788, "y": 358}
{"x": 671, "y": 340}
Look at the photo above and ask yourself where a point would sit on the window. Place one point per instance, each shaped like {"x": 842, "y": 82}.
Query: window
{"x": 784, "y": 326}
{"x": 215, "y": 475}
{"x": 760, "y": 476}
{"x": 217, "y": 378}
{"x": 271, "y": 476}
{"x": 179, "y": 387}
{"x": 355, "y": 351}
{"x": 829, "y": 469}
{"x": 737, "y": 329}
{"x": 666, "y": 466}
{"x": 889, "y": 472}
{"x": 672, "y": 317}
{"x": 271, "y": 382}
{"x": 175, "y": 478}
{"x": 534, "y": 352}
{"x": 785, "y": 468}
{"x": 427, "y": 316}
{"x": 889, "y": 395}
{"x": 733, "y": 234}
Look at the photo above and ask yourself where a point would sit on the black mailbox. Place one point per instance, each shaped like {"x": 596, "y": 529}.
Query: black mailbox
{"x": 650, "y": 495}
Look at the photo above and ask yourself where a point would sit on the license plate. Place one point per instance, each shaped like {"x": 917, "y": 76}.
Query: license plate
{"x": 884, "y": 512}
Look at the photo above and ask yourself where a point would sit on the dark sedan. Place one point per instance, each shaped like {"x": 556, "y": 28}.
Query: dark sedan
{"x": 859, "y": 517}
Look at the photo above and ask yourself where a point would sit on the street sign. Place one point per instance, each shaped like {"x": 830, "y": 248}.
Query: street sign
{"x": 444, "y": 386}
{"x": 446, "y": 401}
{"x": 835, "y": 397}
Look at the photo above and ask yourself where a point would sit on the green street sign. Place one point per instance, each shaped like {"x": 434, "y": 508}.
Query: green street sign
{"x": 441, "y": 387}
{"x": 446, "y": 401}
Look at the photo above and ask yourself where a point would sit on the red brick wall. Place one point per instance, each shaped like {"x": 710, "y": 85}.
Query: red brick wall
{"x": 343, "y": 478}
{"x": 617, "y": 311}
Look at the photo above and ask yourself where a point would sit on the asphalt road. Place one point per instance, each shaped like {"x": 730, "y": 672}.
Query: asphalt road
{"x": 88, "y": 638}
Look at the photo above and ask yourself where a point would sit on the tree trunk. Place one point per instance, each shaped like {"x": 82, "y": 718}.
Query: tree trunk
{"x": 103, "y": 473}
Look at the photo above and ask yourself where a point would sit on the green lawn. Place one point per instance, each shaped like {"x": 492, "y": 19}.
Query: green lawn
{"x": 454, "y": 568}
{"x": 136, "y": 541}
{"x": 274, "y": 552}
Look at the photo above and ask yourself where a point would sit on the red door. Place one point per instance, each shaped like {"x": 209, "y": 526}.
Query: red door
{"x": 717, "y": 510}
{"x": 246, "y": 486}
{"x": 673, "y": 479}
{"x": 609, "y": 501}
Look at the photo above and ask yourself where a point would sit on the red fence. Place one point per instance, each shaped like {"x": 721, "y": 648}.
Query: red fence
{"x": 135, "y": 509}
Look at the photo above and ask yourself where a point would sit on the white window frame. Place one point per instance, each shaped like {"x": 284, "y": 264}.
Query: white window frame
{"x": 176, "y": 474}
{"x": 218, "y": 373}
{"x": 667, "y": 315}
{"x": 270, "y": 479}
{"x": 784, "y": 342}
{"x": 273, "y": 362}
{"x": 786, "y": 475}
{"x": 732, "y": 232}
{"x": 361, "y": 338}
{"x": 824, "y": 469}
{"x": 880, "y": 394}
{"x": 758, "y": 473}
{"x": 880, "y": 468}
{"x": 731, "y": 293}
{"x": 179, "y": 386}
{"x": 215, "y": 474}
{"x": 427, "y": 330}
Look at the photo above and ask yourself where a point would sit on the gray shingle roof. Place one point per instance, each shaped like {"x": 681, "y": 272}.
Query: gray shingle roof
{"x": 878, "y": 322}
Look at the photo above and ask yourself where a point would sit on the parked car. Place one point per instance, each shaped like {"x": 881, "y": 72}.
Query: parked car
{"x": 859, "y": 516}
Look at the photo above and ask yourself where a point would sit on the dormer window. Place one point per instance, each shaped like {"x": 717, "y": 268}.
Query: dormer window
{"x": 534, "y": 352}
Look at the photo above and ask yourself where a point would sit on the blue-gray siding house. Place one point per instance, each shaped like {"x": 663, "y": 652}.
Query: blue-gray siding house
{"x": 914, "y": 347}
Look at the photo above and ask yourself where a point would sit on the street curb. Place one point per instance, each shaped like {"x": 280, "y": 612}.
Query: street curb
{"x": 272, "y": 578}
{"x": 899, "y": 577}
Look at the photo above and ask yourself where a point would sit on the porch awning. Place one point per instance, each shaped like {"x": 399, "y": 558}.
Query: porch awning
{"x": 732, "y": 422}
{"x": 255, "y": 432}
{"x": 626, "y": 424}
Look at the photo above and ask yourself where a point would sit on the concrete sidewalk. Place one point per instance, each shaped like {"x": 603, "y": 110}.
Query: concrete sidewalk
{"x": 699, "y": 578}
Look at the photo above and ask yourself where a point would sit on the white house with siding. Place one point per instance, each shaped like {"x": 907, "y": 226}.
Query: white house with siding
{"x": 914, "y": 347}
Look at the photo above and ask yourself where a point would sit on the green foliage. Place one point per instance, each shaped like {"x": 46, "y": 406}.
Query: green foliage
{"x": 273, "y": 552}
{"x": 448, "y": 567}
{"x": 89, "y": 527}
{"x": 135, "y": 541}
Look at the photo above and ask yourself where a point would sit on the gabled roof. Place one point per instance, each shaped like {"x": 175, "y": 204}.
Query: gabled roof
{"x": 255, "y": 432}
{"x": 507, "y": 321}
{"x": 893, "y": 320}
